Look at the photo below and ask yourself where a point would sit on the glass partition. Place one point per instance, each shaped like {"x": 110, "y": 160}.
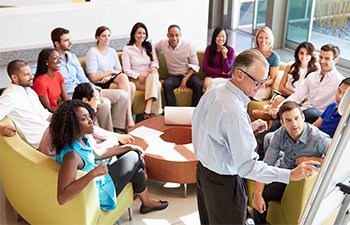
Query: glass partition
{"x": 298, "y": 22}
{"x": 320, "y": 22}
{"x": 252, "y": 15}
{"x": 331, "y": 25}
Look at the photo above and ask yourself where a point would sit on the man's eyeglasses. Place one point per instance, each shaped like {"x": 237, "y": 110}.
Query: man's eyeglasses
{"x": 257, "y": 83}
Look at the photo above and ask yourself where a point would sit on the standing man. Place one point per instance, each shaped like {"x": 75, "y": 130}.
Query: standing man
{"x": 224, "y": 142}
{"x": 111, "y": 114}
{"x": 299, "y": 142}
{"x": 182, "y": 64}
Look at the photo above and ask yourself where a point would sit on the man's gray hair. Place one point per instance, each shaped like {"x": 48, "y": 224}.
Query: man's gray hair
{"x": 248, "y": 58}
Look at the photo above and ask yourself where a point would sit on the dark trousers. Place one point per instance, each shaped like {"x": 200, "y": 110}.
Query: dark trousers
{"x": 272, "y": 192}
{"x": 173, "y": 81}
{"x": 221, "y": 199}
{"x": 128, "y": 167}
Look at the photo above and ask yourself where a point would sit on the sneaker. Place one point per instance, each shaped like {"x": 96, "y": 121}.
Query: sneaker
{"x": 249, "y": 221}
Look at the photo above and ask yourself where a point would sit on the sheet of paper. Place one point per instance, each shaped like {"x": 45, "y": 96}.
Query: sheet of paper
{"x": 157, "y": 146}
{"x": 145, "y": 132}
{"x": 166, "y": 150}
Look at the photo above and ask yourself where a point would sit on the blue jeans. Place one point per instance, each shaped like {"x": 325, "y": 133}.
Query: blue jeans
{"x": 173, "y": 81}
{"x": 311, "y": 114}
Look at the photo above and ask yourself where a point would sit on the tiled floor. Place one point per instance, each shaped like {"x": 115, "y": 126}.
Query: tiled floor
{"x": 181, "y": 210}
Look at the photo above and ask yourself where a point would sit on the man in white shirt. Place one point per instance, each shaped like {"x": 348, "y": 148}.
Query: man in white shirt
{"x": 319, "y": 87}
{"x": 21, "y": 104}
{"x": 182, "y": 64}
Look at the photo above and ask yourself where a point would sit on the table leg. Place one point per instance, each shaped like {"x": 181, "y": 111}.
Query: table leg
{"x": 185, "y": 190}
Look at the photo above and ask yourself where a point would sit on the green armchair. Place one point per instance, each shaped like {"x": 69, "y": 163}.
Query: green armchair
{"x": 292, "y": 204}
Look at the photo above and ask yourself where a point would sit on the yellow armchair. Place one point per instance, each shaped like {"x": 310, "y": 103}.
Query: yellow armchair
{"x": 29, "y": 181}
{"x": 292, "y": 204}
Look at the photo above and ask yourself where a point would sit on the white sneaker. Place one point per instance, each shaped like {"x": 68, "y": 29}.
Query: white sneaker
{"x": 249, "y": 221}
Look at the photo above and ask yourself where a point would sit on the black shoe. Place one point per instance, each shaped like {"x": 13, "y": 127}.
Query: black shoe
{"x": 146, "y": 209}
{"x": 147, "y": 115}
{"x": 120, "y": 130}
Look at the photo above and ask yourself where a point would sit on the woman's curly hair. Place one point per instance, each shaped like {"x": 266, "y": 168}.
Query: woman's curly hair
{"x": 64, "y": 126}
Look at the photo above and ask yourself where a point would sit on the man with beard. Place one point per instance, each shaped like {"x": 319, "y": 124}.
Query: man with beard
{"x": 21, "y": 104}
{"x": 111, "y": 114}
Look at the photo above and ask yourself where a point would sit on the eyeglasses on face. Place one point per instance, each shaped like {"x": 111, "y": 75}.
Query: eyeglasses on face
{"x": 257, "y": 82}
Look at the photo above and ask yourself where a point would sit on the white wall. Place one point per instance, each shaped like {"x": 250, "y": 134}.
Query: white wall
{"x": 30, "y": 26}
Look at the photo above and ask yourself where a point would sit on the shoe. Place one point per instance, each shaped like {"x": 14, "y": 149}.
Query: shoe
{"x": 146, "y": 209}
{"x": 146, "y": 116}
{"x": 120, "y": 130}
{"x": 249, "y": 221}
{"x": 261, "y": 114}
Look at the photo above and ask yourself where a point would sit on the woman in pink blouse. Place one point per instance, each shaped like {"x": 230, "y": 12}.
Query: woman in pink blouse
{"x": 140, "y": 63}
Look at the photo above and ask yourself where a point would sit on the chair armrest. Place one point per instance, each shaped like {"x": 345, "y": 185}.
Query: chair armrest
{"x": 29, "y": 181}
{"x": 250, "y": 190}
{"x": 295, "y": 197}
